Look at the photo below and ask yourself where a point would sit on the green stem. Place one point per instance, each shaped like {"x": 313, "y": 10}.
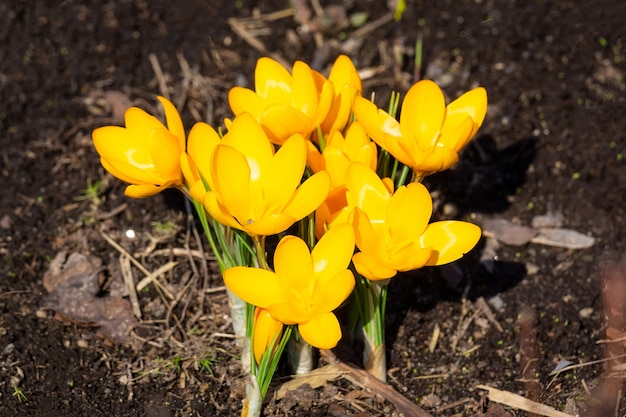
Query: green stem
{"x": 371, "y": 297}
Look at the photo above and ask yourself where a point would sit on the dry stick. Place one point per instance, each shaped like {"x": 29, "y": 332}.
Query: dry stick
{"x": 407, "y": 407}
{"x": 149, "y": 275}
{"x": 241, "y": 30}
{"x": 482, "y": 304}
{"x": 161, "y": 271}
{"x": 127, "y": 274}
{"x": 518, "y": 402}
{"x": 156, "y": 67}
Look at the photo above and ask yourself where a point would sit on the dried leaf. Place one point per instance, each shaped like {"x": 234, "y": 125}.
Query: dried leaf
{"x": 507, "y": 232}
{"x": 563, "y": 238}
{"x": 73, "y": 287}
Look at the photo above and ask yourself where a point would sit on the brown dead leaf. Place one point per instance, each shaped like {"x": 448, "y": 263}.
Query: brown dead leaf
{"x": 72, "y": 283}
{"x": 507, "y": 232}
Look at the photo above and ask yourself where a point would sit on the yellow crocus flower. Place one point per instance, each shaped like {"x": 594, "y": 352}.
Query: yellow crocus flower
{"x": 347, "y": 85}
{"x": 392, "y": 230}
{"x": 335, "y": 159}
{"x": 429, "y": 134}
{"x": 144, "y": 153}
{"x": 257, "y": 190}
{"x": 306, "y": 286}
{"x": 284, "y": 103}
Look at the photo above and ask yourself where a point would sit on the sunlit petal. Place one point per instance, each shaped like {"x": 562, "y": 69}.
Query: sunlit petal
{"x": 265, "y": 330}
{"x": 333, "y": 252}
{"x": 137, "y": 119}
{"x": 162, "y": 145}
{"x": 284, "y": 173}
{"x": 281, "y": 121}
{"x": 142, "y": 190}
{"x": 450, "y": 240}
{"x": 270, "y": 224}
{"x": 409, "y": 212}
{"x": 370, "y": 268}
{"x": 423, "y": 111}
{"x": 255, "y": 285}
{"x": 174, "y": 122}
{"x": 367, "y": 191}
{"x": 308, "y": 196}
{"x": 322, "y": 331}
{"x": 272, "y": 81}
{"x": 243, "y": 100}
{"x": 332, "y": 290}
{"x": 200, "y": 146}
{"x": 472, "y": 104}
{"x": 231, "y": 176}
{"x": 293, "y": 263}
{"x": 304, "y": 91}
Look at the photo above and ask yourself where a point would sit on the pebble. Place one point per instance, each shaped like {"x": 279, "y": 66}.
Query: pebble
{"x": 496, "y": 302}
{"x": 586, "y": 312}
{"x": 6, "y": 222}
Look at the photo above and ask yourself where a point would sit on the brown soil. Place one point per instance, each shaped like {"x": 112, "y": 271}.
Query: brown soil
{"x": 553, "y": 142}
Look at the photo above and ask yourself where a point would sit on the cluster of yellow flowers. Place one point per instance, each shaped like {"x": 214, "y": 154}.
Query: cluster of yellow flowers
{"x": 255, "y": 179}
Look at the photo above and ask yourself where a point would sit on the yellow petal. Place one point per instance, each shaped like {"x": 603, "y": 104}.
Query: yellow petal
{"x": 409, "y": 257}
{"x": 456, "y": 137}
{"x": 333, "y": 252}
{"x": 218, "y": 211}
{"x": 248, "y": 137}
{"x": 330, "y": 292}
{"x": 270, "y": 224}
{"x": 366, "y": 238}
{"x": 280, "y": 121}
{"x": 369, "y": 268}
{"x": 138, "y": 120}
{"x": 423, "y": 113}
{"x": 344, "y": 73}
{"x": 308, "y": 196}
{"x": 256, "y": 286}
{"x": 322, "y": 331}
{"x": 200, "y": 146}
{"x": 142, "y": 190}
{"x": 284, "y": 173}
{"x": 367, "y": 191}
{"x": 265, "y": 330}
{"x": 165, "y": 154}
{"x": 450, "y": 240}
{"x": 290, "y": 312}
{"x": 293, "y": 264}
{"x": 174, "y": 122}
{"x": 131, "y": 173}
{"x": 231, "y": 176}
{"x": 472, "y": 104}
{"x": 245, "y": 100}
{"x": 409, "y": 212}
{"x": 304, "y": 92}
{"x": 336, "y": 163}
{"x": 313, "y": 157}
{"x": 378, "y": 124}
{"x": 272, "y": 81}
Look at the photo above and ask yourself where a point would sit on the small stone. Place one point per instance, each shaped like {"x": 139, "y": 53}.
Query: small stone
{"x": 430, "y": 401}
{"x": 496, "y": 302}
{"x": 531, "y": 269}
{"x": 6, "y": 222}
{"x": 586, "y": 312}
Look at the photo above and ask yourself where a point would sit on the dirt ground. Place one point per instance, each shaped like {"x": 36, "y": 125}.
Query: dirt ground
{"x": 509, "y": 315}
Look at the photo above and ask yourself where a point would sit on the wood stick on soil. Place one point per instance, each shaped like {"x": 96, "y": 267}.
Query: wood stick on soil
{"x": 367, "y": 380}
{"x": 518, "y": 402}
{"x": 152, "y": 277}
